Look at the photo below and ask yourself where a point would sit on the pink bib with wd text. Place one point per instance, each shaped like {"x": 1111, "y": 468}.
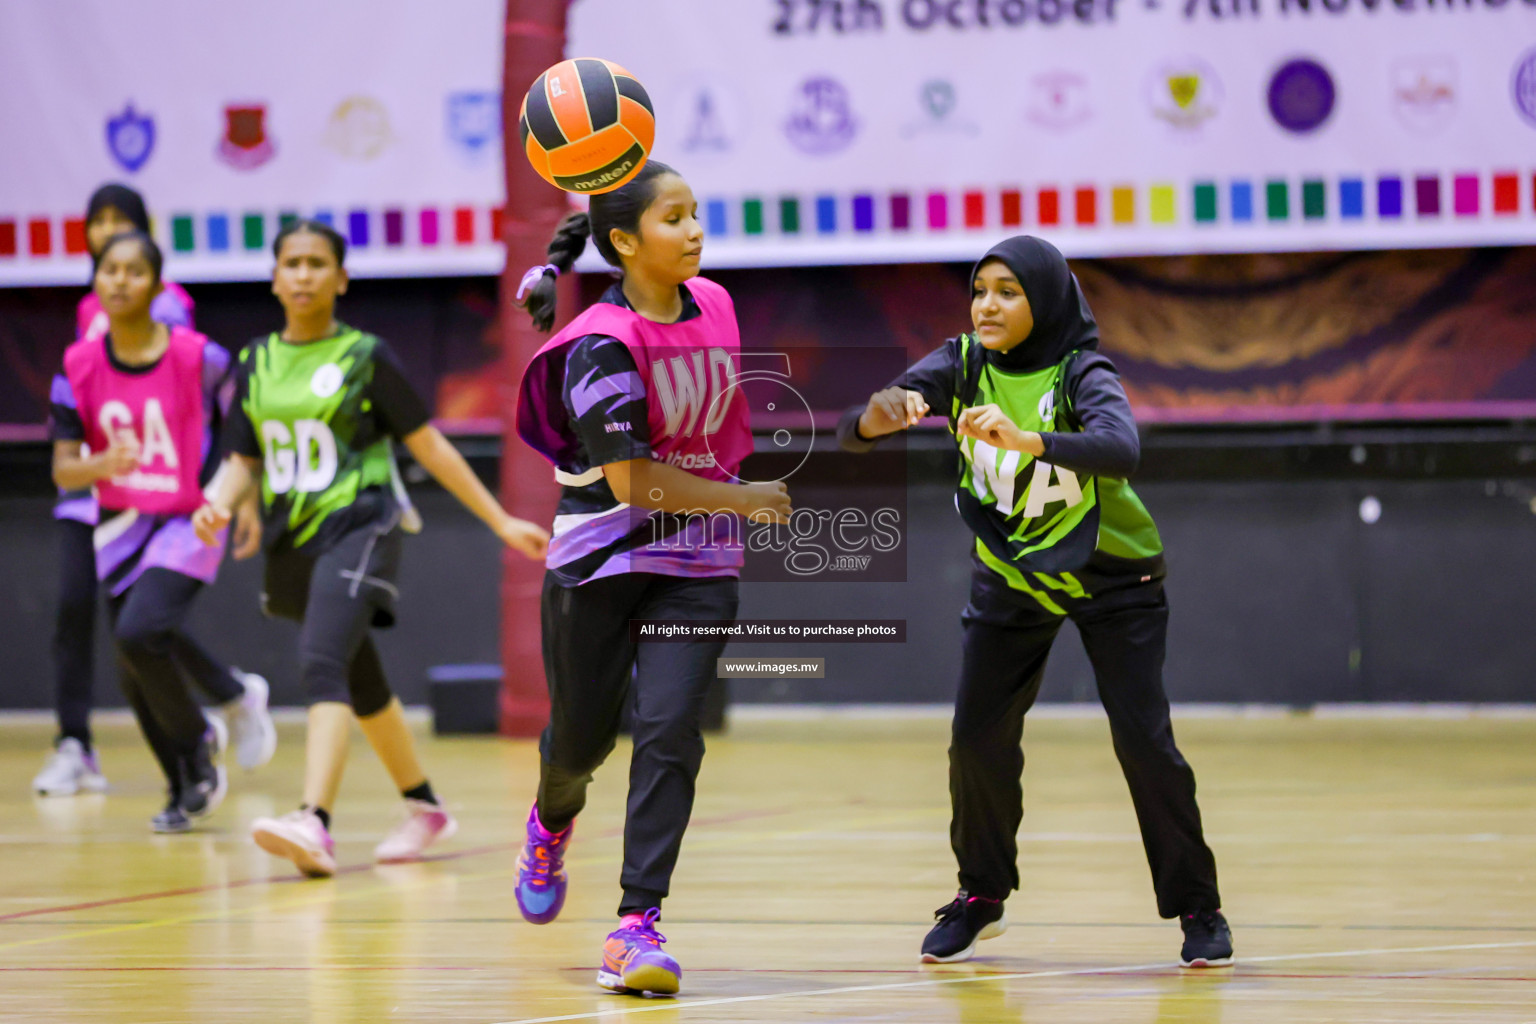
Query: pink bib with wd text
{"x": 696, "y": 415}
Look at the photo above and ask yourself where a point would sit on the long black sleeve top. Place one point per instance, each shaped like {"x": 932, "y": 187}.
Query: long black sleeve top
{"x": 1108, "y": 445}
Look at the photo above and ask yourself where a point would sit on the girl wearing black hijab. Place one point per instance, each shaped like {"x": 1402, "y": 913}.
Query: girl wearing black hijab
{"x": 1047, "y": 439}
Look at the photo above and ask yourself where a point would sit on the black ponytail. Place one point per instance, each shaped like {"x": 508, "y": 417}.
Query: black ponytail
{"x": 621, "y": 208}
{"x": 125, "y": 200}
{"x": 569, "y": 241}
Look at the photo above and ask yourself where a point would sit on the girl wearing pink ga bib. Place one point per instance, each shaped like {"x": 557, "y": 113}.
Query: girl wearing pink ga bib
{"x": 143, "y": 400}
{"x": 72, "y": 765}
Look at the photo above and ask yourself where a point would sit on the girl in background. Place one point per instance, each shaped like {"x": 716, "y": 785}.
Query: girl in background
{"x": 112, "y": 210}
{"x": 1047, "y": 439}
{"x": 144, "y": 399}
{"x": 316, "y": 406}
{"x": 73, "y": 765}
{"x": 629, "y": 456}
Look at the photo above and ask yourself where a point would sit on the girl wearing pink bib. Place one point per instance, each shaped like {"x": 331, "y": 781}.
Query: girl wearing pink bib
{"x": 634, "y": 405}
{"x": 143, "y": 401}
{"x": 157, "y": 405}
{"x": 688, "y": 413}
{"x": 72, "y": 766}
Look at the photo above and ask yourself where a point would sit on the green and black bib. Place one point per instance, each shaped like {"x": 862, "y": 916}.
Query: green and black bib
{"x": 1038, "y": 525}
{"x": 308, "y": 404}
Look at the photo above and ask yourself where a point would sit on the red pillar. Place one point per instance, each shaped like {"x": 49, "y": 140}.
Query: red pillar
{"x": 534, "y": 39}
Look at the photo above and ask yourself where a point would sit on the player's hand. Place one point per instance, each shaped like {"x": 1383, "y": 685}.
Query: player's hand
{"x": 527, "y": 538}
{"x": 891, "y": 410}
{"x": 247, "y": 535}
{"x": 767, "y": 502}
{"x": 121, "y": 457}
{"x": 990, "y": 424}
{"x": 208, "y": 522}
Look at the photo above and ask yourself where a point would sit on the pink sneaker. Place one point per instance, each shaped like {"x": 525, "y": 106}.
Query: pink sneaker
{"x": 424, "y": 825}
{"x": 298, "y": 836}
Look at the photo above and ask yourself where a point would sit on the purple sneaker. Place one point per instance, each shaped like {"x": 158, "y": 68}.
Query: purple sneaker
{"x": 541, "y": 871}
{"x": 633, "y": 960}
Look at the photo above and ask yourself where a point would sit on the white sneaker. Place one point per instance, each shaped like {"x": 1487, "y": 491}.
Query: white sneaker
{"x": 424, "y": 825}
{"x": 255, "y": 736}
{"x": 68, "y": 770}
{"x": 301, "y": 837}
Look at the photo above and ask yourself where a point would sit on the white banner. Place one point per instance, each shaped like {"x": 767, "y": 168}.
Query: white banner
{"x": 827, "y": 131}
{"x": 382, "y": 115}
{"x": 813, "y": 131}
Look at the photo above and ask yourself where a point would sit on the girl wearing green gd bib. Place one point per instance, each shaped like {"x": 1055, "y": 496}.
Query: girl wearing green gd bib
{"x": 314, "y": 411}
{"x": 1047, "y": 439}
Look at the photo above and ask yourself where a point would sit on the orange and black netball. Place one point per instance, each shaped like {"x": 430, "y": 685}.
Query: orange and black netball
{"x": 587, "y": 125}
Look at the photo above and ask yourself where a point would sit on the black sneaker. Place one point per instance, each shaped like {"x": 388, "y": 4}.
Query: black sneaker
{"x": 203, "y": 782}
{"x": 962, "y": 924}
{"x": 171, "y": 820}
{"x": 1207, "y": 940}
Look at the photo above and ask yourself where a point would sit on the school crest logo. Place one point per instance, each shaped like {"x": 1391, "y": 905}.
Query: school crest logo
{"x": 1524, "y": 86}
{"x": 940, "y": 104}
{"x": 712, "y": 113}
{"x": 359, "y": 128}
{"x": 822, "y": 121}
{"x": 1058, "y": 100}
{"x": 711, "y": 120}
{"x": 474, "y": 121}
{"x": 1424, "y": 92}
{"x": 246, "y": 145}
{"x": 1301, "y": 95}
{"x": 706, "y": 132}
{"x": 1184, "y": 94}
{"x": 131, "y": 138}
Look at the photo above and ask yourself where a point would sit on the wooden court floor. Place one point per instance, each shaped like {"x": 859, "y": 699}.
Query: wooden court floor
{"x": 1374, "y": 871}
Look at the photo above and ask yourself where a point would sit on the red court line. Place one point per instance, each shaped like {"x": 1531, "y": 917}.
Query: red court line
{"x": 352, "y": 869}
{"x": 338, "y": 967}
{"x": 243, "y": 883}
{"x": 166, "y": 894}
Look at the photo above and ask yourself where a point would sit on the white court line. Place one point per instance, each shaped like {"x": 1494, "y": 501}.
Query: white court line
{"x": 1216, "y": 838}
{"x": 672, "y": 1004}
{"x": 747, "y": 712}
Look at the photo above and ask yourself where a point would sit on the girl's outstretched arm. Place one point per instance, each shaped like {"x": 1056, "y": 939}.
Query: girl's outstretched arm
{"x": 887, "y": 412}
{"x": 430, "y": 448}
{"x": 929, "y": 389}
